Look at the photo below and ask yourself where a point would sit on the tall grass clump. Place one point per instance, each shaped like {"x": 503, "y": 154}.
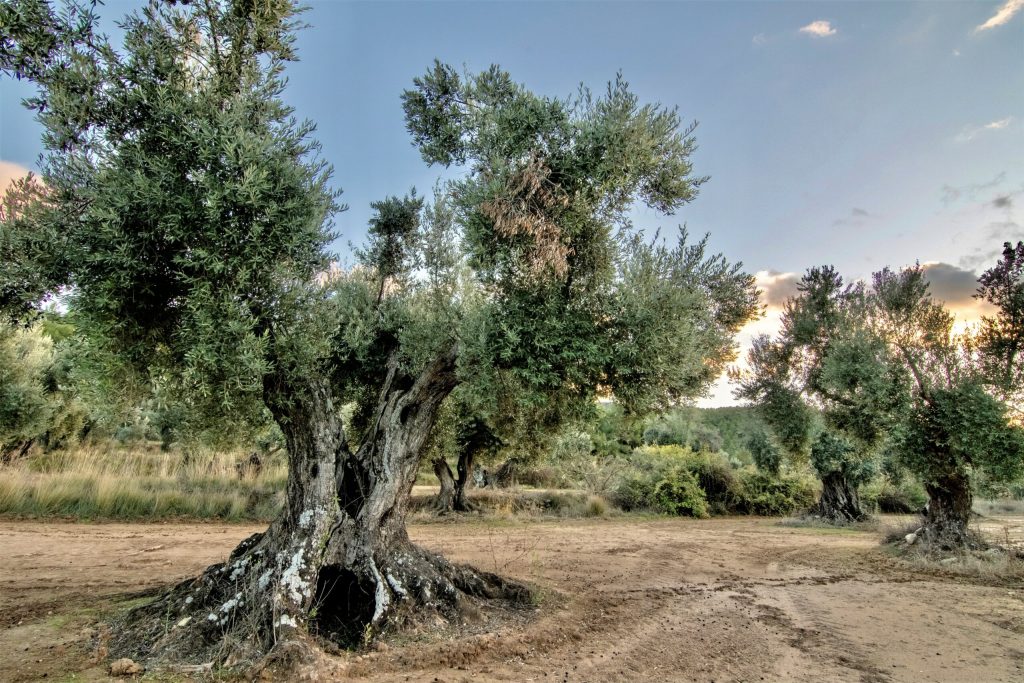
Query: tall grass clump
{"x": 137, "y": 482}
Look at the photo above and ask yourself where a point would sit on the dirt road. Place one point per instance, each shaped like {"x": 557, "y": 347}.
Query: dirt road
{"x": 620, "y": 600}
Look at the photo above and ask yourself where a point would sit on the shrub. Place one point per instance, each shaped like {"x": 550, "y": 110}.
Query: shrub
{"x": 678, "y": 493}
{"x": 905, "y": 497}
{"x": 635, "y": 493}
{"x": 717, "y": 478}
{"x": 766, "y": 495}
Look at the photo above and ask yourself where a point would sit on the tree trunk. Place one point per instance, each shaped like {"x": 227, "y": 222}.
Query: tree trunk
{"x": 337, "y": 564}
{"x": 948, "y": 512}
{"x": 452, "y": 496}
{"x": 445, "y": 501}
{"x": 505, "y": 475}
{"x": 465, "y": 470}
{"x": 839, "y": 502}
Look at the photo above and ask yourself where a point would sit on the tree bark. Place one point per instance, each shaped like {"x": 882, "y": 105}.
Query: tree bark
{"x": 839, "y": 502}
{"x": 452, "y": 495}
{"x": 465, "y": 471}
{"x": 948, "y": 513}
{"x": 337, "y": 564}
{"x": 445, "y": 501}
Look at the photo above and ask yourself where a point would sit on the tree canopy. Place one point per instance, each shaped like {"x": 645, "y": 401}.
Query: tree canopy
{"x": 187, "y": 216}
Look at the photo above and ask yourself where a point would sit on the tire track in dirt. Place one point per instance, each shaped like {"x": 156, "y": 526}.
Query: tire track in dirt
{"x": 619, "y": 600}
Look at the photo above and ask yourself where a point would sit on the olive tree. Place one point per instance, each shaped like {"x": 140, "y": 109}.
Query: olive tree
{"x": 824, "y": 387}
{"x": 950, "y": 425}
{"x": 194, "y": 217}
{"x": 1000, "y": 342}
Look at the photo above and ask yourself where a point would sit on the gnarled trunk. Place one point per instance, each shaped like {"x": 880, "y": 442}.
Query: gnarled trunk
{"x": 948, "y": 513}
{"x": 337, "y": 563}
{"x": 445, "y": 501}
{"x": 465, "y": 470}
{"x": 839, "y": 502}
{"x": 452, "y": 495}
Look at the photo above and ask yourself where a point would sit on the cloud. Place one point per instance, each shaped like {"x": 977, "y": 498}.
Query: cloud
{"x": 950, "y": 284}
{"x": 857, "y": 217}
{"x": 9, "y": 172}
{"x": 1003, "y": 201}
{"x": 776, "y": 287}
{"x": 950, "y": 193}
{"x": 970, "y": 132}
{"x": 759, "y": 39}
{"x": 996, "y": 233}
{"x": 1002, "y": 15}
{"x": 819, "y": 29}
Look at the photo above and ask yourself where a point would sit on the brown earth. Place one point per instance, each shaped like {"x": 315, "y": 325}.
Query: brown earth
{"x": 734, "y": 599}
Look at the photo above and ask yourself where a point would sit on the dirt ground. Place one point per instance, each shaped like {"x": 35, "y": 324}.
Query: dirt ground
{"x": 733, "y": 599}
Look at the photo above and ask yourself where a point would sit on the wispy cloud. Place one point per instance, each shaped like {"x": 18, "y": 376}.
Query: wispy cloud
{"x": 1002, "y": 15}
{"x": 950, "y": 193}
{"x": 856, "y": 217}
{"x": 823, "y": 29}
{"x": 759, "y": 39}
{"x": 971, "y": 132}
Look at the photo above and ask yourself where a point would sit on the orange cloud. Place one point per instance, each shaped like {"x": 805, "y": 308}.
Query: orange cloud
{"x": 9, "y": 172}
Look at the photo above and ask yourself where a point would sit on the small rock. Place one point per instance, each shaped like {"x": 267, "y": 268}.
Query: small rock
{"x": 948, "y": 560}
{"x": 910, "y": 538}
{"x": 125, "y": 667}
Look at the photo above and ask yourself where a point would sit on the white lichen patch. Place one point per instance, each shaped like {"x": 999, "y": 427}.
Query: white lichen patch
{"x": 264, "y": 579}
{"x": 305, "y": 518}
{"x": 188, "y": 600}
{"x": 287, "y": 620}
{"x": 294, "y": 585}
{"x": 211, "y": 617}
{"x": 232, "y": 603}
{"x": 397, "y": 586}
{"x": 238, "y": 568}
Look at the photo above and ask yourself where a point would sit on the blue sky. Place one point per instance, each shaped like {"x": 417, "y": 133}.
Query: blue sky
{"x": 859, "y": 134}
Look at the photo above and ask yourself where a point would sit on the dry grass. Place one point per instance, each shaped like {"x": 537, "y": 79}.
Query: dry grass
{"x": 139, "y": 483}
{"x": 518, "y": 502}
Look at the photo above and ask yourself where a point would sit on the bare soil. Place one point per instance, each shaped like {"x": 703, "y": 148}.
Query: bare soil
{"x": 734, "y": 599}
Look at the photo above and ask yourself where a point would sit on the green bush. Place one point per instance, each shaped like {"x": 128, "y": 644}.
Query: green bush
{"x": 764, "y": 494}
{"x": 635, "y": 493}
{"x": 906, "y": 497}
{"x": 678, "y": 493}
{"x": 717, "y": 478}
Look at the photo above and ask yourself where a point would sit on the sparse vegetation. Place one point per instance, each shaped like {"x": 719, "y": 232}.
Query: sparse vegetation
{"x": 126, "y": 483}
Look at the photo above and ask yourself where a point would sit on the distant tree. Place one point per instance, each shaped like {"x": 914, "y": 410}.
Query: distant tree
{"x": 950, "y": 426}
{"x": 194, "y": 217}
{"x": 767, "y": 456}
{"x": 827, "y": 365}
{"x": 25, "y": 407}
{"x": 1000, "y": 341}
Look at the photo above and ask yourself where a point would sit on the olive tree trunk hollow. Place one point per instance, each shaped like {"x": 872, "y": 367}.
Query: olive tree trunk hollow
{"x": 337, "y": 566}
{"x": 839, "y": 502}
{"x": 948, "y": 514}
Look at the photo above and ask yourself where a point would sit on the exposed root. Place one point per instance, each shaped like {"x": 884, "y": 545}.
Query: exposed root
{"x": 232, "y": 614}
